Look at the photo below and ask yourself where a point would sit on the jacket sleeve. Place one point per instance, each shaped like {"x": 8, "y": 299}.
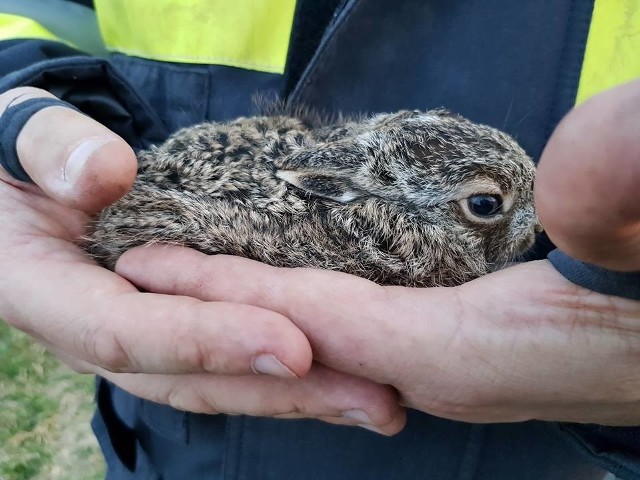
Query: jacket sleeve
{"x": 91, "y": 84}
{"x": 617, "y": 449}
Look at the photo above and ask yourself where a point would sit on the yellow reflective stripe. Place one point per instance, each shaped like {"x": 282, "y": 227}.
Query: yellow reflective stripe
{"x": 612, "y": 56}
{"x": 14, "y": 26}
{"x": 251, "y": 34}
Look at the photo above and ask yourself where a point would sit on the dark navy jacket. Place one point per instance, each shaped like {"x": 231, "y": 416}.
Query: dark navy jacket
{"x": 511, "y": 64}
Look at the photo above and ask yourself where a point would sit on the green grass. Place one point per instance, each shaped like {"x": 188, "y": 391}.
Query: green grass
{"x": 45, "y": 410}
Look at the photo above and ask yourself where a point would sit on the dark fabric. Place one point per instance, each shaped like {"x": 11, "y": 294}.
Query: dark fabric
{"x": 96, "y": 88}
{"x": 182, "y": 94}
{"x": 513, "y": 65}
{"x": 608, "y": 282}
{"x": 18, "y": 54}
{"x": 122, "y": 438}
{"x": 616, "y": 448}
{"x": 310, "y": 22}
{"x": 11, "y": 123}
{"x": 125, "y": 458}
{"x": 540, "y": 249}
{"x": 173, "y": 445}
{"x": 145, "y": 440}
{"x": 86, "y": 3}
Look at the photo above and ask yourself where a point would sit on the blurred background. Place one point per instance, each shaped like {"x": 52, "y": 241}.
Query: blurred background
{"x": 45, "y": 410}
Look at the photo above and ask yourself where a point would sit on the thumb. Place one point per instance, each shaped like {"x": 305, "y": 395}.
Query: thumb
{"x": 72, "y": 158}
{"x": 587, "y": 192}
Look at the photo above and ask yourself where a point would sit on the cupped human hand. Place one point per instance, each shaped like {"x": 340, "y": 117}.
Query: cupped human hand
{"x": 522, "y": 343}
{"x": 519, "y": 344}
{"x": 194, "y": 355}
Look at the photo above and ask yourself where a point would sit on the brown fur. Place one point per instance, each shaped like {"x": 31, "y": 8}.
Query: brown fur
{"x": 381, "y": 197}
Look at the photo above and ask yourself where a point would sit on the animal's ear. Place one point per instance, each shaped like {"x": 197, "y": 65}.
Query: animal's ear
{"x": 330, "y": 185}
{"x": 328, "y": 170}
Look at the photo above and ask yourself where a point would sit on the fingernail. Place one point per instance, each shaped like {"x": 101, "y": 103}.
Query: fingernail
{"x": 373, "y": 429}
{"x": 358, "y": 416}
{"x": 268, "y": 364}
{"x": 77, "y": 159}
{"x": 363, "y": 420}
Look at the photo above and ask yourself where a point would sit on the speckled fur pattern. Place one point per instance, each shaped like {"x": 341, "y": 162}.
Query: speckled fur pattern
{"x": 380, "y": 197}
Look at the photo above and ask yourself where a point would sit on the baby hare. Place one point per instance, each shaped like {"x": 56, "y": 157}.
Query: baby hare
{"x": 409, "y": 198}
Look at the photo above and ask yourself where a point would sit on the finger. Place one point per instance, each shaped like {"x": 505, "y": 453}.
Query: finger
{"x": 587, "y": 192}
{"x": 191, "y": 335}
{"x": 318, "y": 301}
{"x": 324, "y": 394}
{"x": 72, "y": 158}
{"x": 104, "y": 320}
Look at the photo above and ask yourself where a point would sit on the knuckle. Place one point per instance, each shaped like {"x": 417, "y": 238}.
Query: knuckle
{"x": 79, "y": 366}
{"x": 456, "y": 410}
{"x": 189, "y": 398}
{"x": 297, "y": 405}
{"x": 191, "y": 352}
{"x": 106, "y": 350}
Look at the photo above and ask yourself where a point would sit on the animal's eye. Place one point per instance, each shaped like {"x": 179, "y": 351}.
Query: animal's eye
{"x": 485, "y": 205}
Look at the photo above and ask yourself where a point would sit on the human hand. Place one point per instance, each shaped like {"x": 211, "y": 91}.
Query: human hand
{"x": 523, "y": 343}
{"x": 194, "y": 355}
{"x": 517, "y": 344}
